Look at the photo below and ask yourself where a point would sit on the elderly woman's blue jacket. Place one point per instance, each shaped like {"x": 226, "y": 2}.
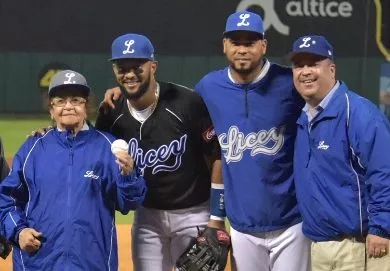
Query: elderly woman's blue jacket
{"x": 67, "y": 187}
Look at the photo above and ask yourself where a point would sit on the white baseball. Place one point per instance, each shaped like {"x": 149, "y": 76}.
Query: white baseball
{"x": 119, "y": 145}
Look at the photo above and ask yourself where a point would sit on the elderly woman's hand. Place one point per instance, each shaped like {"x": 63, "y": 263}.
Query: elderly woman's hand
{"x": 125, "y": 162}
{"x": 29, "y": 240}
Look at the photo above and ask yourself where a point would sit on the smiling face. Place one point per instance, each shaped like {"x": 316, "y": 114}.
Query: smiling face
{"x": 134, "y": 76}
{"x": 68, "y": 108}
{"x": 314, "y": 76}
{"x": 244, "y": 50}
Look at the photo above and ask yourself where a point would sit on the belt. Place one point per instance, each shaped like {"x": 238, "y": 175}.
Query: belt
{"x": 358, "y": 239}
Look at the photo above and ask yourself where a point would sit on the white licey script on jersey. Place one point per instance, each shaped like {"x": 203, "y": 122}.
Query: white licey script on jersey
{"x": 234, "y": 143}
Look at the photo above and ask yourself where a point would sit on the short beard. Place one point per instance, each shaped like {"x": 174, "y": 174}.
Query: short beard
{"x": 143, "y": 88}
{"x": 242, "y": 71}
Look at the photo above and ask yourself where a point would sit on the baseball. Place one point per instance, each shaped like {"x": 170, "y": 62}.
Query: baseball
{"x": 119, "y": 145}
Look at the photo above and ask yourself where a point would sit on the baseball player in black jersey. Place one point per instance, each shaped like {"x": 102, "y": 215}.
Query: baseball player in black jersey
{"x": 172, "y": 141}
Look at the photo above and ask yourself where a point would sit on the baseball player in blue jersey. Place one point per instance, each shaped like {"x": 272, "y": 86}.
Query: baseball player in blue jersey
{"x": 254, "y": 108}
{"x": 341, "y": 166}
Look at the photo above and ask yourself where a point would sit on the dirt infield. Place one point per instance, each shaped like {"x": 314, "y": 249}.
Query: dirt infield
{"x": 124, "y": 241}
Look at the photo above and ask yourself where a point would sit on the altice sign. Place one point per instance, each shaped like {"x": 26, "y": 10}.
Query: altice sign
{"x": 302, "y": 8}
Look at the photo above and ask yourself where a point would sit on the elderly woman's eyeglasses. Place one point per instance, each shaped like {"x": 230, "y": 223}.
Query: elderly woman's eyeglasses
{"x": 61, "y": 102}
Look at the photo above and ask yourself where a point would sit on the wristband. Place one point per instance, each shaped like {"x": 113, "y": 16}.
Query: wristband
{"x": 217, "y": 202}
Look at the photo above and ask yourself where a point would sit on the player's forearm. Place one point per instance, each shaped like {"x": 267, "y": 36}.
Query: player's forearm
{"x": 217, "y": 201}
{"x": 14, "y": 221}
{"x": 216, "y": 172}
{"x": 103, "y": 120}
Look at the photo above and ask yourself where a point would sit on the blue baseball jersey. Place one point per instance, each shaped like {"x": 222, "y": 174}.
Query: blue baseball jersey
{"x": 256, "y": 128}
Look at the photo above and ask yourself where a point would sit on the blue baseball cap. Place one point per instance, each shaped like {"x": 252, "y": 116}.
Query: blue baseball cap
{"x": 130, "y": 46}
{"x": 312, "y": 44}
{"x": 244, "y": 21}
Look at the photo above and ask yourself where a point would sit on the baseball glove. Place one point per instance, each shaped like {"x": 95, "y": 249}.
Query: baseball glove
{"x": 207, "y": 252}
{"x": 5, "y": 247}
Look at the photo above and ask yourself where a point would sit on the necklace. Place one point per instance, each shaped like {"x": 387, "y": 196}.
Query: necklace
{"x": 143, "y": 115}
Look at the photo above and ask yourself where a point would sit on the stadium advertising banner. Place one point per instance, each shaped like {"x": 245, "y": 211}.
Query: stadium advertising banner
{"x": 184, "y": 27}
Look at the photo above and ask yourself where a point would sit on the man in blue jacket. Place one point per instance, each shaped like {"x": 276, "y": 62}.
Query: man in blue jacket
{"x": 341, "y": 166}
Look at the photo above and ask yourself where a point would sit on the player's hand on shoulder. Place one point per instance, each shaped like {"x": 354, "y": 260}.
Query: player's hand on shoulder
{"x": 29, "y": 240}
{"x": 40, "y": 131}
{"x": 111, "y": 95}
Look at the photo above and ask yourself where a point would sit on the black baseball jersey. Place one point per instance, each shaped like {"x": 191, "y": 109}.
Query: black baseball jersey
{"x": 169, "y": 147}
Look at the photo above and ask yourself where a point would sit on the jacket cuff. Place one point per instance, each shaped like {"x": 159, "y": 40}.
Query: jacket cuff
{"x": 376, "y": 230}
{"x": 15, "y": 240}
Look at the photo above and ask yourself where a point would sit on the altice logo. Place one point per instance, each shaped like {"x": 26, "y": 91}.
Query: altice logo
{"x": 302, "y": 8}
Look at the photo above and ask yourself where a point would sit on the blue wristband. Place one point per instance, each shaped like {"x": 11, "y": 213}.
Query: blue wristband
{"x": 217, "y": 202}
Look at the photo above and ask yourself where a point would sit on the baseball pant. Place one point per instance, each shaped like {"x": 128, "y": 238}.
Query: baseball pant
{"x": 280, "y": 250}
{"x": 159, "y": 237}
{"x": 347, "y": 254}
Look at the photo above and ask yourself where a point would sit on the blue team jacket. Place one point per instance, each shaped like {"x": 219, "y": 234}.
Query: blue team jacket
{"x": 256, "y": 128}
{"x": 67, "y": 188}
{"x": 342, "y": 169}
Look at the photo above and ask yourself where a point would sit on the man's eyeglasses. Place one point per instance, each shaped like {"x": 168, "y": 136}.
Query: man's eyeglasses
{"x": 61, "y": 102}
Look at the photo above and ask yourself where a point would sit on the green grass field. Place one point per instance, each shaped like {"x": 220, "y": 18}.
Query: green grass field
{"x": 14, "y": 130}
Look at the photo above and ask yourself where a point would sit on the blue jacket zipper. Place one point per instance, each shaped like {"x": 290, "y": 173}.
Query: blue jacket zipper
{"x": 70, "y": 139}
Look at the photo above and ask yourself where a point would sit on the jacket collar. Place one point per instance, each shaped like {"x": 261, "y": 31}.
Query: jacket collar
{"x": 332, "y": 109}
{"x": 82, "y": 136}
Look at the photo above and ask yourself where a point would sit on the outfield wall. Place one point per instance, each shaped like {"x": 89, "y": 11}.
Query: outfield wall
{"x": 22, "y": 75}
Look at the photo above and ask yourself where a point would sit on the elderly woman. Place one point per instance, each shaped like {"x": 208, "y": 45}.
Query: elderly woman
{"x": 58, "y": 204}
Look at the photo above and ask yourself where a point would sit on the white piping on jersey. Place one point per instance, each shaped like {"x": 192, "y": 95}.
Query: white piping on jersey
{"x": 21, "y": 257}
{"x": 112, "y": 233}
{"x": 140, "y": 131}
{"x": 261, "y": 75}
{"x": 181, "y": 86}
{"x": 115, "y": 121}
{"x": 113, "y": 219}
{"x": 24, "y": 169}
{"x": 104, "y": 136}
{"x": 174, "y": 114}
{"x": 357, "y": 176}
{"x": 13, "y": 220}
{"x": 28, "y": 189}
